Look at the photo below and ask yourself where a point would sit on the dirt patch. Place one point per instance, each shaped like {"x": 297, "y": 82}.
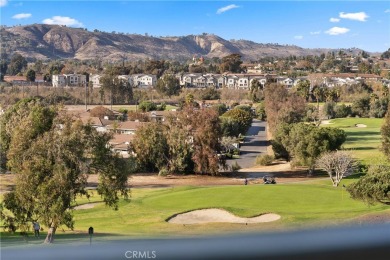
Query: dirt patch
{"x": 326, "y": 122}
{"x": 87, "y": 206}
{"x": 361, "y": 125}
{"x": 203, "y": 216}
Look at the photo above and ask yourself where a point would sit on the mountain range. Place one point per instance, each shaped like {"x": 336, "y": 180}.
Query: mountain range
{"x": 41, "y": 41}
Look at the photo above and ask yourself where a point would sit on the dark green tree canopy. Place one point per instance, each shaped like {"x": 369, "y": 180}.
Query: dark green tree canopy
{"x": 168, "y": 85}
{"x": 51, "y": 153}
{"x": 374, "y": 187}
{"x": 30, "y": 75}
{"x": 17, "y": 64}
{"x": 231, "y": 63}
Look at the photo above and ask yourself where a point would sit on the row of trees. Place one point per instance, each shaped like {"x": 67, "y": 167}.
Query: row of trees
{"x": 188, "y": 142}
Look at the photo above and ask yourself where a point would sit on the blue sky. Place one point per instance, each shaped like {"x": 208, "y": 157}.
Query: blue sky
{"x": 309, "y": 24}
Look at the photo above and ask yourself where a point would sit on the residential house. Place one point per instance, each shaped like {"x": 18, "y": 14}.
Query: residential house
{"x": 120, "y": 144}
{"x": 95, "y": 79}
{"x": 126, "y": 128}
{"x": 69, "y": 80}
{"x": 144, "y": 80}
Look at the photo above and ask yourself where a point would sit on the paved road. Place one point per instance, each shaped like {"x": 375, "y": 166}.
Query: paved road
{"x": 255, "y": 144}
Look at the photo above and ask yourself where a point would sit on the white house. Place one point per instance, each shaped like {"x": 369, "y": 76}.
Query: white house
{"x": 144, "y": 80}
{"x": 95, "y": 79}
{"x": 69, "y": 80}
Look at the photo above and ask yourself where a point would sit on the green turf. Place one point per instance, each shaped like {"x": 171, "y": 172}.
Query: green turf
{"x": 300, "y": 205}
{"x": 365, "y": 142}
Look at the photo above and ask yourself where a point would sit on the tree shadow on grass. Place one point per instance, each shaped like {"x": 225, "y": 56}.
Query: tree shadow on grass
{"x": 9, "y": 239}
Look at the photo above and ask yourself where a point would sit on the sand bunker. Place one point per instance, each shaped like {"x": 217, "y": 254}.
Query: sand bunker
{"x": 87, "y": 206}
{"x": 326, "y": 122}
{"x": 218, "y": 215}
{"x": 360, "y": 125}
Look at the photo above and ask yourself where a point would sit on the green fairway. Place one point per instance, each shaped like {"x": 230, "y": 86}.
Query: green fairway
{"x": 299, "y": 205}
{"x": 365, "y": 142}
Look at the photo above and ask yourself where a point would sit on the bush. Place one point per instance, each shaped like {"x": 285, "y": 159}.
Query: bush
{"x": 329, "y": 109}
{"x": 162, "y": 106}
{"x": 210, "y": 94}
{"x": 147, "y": 106}
{"x": 343, "y": 111}
{"x": 220, "y": 108}
{"x": 235, "y": 167}
{"x": 163, "y": 172}
{"x": 260, "y": 112}
{"x": 264, "y": 159}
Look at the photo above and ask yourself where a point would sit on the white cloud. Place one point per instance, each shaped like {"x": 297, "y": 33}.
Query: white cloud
{"x": 361, "y": 16}
{"x": 337, "y": 30}
{"x": 21, "y": 16}
{"x": 334, "y": 20}
{"x": 226, "y": 8}
{"x": 315, "y": 33}
{"x": 298, "y": 37}
{"x": 387, "y": 11}
{"x": 3, "y": 3}
{"x": 63, "y": 20}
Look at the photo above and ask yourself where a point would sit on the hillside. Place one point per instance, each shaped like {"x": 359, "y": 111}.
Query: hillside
{"x": 42, "y": 41}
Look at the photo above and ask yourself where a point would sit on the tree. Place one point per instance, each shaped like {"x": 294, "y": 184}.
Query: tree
{"x": 304, "y": 143}
{"x": 151, "y": 147}
{"x": 206, "y": 133}
{"x": 17, "y": 64}
{"x": 180, "y": 150}
{"x": 30, "y": 75}
{"x": 361, "y": 106}
{"x": 329, "y": 109}
{"x": 303, "y": 89}
{"x": 168, "y": 85}
{"x": 337, "y": 164}
{"x": 282, "y": 107}
{"x": 374, "y": 187}
{"x": 147, "y": 106}
{"x": 256, "y": 91}
{"x": 101, "y": 112}
{"x": 385, "y": 131}
{"x": 231, "y": 63}
{"x": 3, "y": 67}
{"x": 242, "y": 117}
{"x": 386, "y": 54}
{"x": 52, "y": 154}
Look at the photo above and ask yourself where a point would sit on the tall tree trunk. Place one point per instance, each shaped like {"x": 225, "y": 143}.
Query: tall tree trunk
{"x": 50, "y": 235}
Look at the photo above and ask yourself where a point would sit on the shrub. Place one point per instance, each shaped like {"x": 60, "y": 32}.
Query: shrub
{"x": 260, "y": 112}
{"x": 235, "y": 167}
{"x": 163, "y": 172}
{"x": 162, "y": 106}
{"x": 210, "y": 94}
{"x": 343, "y": 111}
{"x": 147, "y": 106}
{"x": 264, "y": 159}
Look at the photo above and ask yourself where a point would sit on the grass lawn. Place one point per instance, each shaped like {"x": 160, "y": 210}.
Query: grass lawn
{"x": 364, "y": 142}
{"x": 306, "y": 205}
